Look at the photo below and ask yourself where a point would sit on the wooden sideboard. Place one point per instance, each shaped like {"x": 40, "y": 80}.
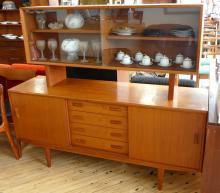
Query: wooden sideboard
{"x": 131, "y": 123}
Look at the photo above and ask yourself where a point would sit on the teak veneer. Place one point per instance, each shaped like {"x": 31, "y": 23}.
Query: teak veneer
{"x": 109, "y": 17}
{"x": 148, "y": 125}
{"x": 132, "y": 123}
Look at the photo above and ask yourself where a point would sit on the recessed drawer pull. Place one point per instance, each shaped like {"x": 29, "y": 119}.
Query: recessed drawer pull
{"x": 75, "y": 104}
{"x": 116, "y": 134}
{"x": 115, "y": 109}
{"x": 80, "y": 129}
{"x": 115, "y": 122}
{"x": 81, "y": 141}
{"x": 116, "y": 147}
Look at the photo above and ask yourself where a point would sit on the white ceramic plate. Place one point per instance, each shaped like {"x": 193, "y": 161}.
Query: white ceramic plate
{"x": 186, "y": 67}
{"x": 123, "y": 33}
{"x": 145, "y": 64}
{"x": 126, "y": 64}
{"x": 165, "y": 66}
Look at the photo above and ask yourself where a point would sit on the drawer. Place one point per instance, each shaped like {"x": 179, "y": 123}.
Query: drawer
{"x": 100, "y": 132}
{"x": 108, "y": 145}
{"x": 97, "y": 108}
{"x": 99, "y": 120}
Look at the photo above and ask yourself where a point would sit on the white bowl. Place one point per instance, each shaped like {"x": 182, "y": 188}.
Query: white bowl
{"x": 74, "y": 21}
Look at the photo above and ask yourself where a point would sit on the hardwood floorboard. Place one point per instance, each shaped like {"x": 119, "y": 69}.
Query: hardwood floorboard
{"x": 71, "y": 173}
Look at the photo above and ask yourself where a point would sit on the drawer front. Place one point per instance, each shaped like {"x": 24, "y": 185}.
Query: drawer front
{"x": 108, "y": 145}
{"x": 97, "y": 108}
{"x": 100, "y": 132}
{"x": 99, "y": 120}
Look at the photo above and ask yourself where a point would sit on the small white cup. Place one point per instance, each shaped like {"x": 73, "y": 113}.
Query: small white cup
{"x": 146, "y": 61}
{"x": 120, "y": 56}
{"x": 187, "y": 63}
{"x": 126, "y": 60}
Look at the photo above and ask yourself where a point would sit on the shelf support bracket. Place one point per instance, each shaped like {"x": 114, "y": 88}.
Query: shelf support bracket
{"x": 173, "y": 82}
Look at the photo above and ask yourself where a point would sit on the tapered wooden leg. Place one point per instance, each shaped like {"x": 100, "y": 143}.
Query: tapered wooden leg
{"x": 19, "y": 147}
{"x": 48, "y": 157}
{"x": 160, "y": 176}
{"x": 13, "y": 146}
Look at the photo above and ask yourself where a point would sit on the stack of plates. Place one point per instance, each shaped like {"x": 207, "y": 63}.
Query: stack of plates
{"x": 182, "y": 32}
{"x": 124, "y": 31}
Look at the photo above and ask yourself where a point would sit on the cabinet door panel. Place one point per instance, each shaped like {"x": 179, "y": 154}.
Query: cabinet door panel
{"x": 169, "y": 137}
{"x": 40, "y": 119}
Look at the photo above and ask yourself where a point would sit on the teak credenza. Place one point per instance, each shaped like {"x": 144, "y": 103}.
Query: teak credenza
{"x": 132, "y": 123}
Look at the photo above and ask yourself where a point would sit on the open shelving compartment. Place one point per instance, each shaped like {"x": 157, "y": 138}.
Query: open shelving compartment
{"x": 99, "y": 23}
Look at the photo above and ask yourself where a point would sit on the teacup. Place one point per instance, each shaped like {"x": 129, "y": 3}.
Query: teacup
{"x": 165, "y": 61}
{"x": 158, "y": 57}
{"x": 179, "y": 59}
{"x": 138, "y": 57}
{"x": 126, "y": 60}
{"x": 120, "y": 56}
{"x": 187, "y": 63}
{"x": 146, "y": 61}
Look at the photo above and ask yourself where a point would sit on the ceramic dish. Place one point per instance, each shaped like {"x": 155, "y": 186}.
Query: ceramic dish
{"x": 127, "y": 64}
{"x": 145, "y": 64}
{"x": 190, "y": 67}
{"x": 164, "y": 66}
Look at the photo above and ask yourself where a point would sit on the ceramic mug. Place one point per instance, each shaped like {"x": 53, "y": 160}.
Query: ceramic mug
{"x": 120, "y": 56}
{"x": 179, "y": 59}
{"x": 165, "y": 61}
{"x": 146, "y": 61}
{"x": 126, "y": 60}
{"x": 158, "y": 57}
{"x": 187, "y": 63}
{"x": 138, "y": 57}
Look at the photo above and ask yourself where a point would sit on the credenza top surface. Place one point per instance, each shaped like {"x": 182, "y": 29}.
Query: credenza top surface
{"x": 193, "y": 99}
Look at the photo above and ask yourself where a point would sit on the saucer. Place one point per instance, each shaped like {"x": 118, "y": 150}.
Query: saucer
{"x": 145, "y": 64}
{"x": 170, "y": 64}
{"x": 188, "y": 67}
{"x": 127, "y": 64}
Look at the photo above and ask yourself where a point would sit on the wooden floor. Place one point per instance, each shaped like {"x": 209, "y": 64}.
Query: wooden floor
{"x": 81, "y": 174}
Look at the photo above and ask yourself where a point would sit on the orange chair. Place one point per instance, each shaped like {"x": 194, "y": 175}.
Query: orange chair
{"x": 4, "y": 127}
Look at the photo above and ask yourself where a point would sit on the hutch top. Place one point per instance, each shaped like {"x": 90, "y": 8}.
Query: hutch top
{"x": 164, "y": 38}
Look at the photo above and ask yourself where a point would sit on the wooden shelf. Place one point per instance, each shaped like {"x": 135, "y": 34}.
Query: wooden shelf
{"x": 8, "y": 40}
{"x": 150, "y": 38}
{"x": 82, "y": 30}
{"x": 11, "y": 25}
{"x": 117, "y": 66}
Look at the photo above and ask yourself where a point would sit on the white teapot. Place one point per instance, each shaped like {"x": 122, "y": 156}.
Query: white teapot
{"x": 179, "y": 59}
{"x": 138, "y": 56}
{"x": 74, "y": 21}
{"x": 71, "y": 47}
{"x": 164, "y": 61}
{"x": 187, "y": 63}
{"x": 158, "y": 57}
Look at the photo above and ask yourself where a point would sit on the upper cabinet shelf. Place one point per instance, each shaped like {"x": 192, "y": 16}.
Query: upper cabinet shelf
{"x": 108, "y": 34}
{"x": 70, "y": 31}
{"x": 151, "y": 38}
